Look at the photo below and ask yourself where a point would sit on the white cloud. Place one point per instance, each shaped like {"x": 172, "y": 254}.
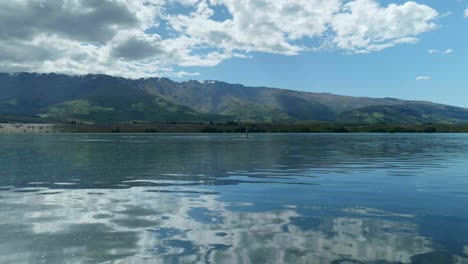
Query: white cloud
{"x": 466, "y": 12}
{"x": 365, "y": 26}
{"x": 448, "y": 51}
{"x": 423, "y": 78}
{"x": 137, "y": 38}
{"x": 436, "y": 51}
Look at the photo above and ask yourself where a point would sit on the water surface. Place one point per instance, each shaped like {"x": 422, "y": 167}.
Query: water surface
{"x": 197, "y": 198}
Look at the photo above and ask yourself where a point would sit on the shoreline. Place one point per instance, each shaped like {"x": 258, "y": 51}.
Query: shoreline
{"x": 34, "y": 128}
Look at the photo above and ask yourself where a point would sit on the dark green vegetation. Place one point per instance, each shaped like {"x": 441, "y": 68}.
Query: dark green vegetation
{"x": 258, "y": 128}
{"x": 102, "y": 99}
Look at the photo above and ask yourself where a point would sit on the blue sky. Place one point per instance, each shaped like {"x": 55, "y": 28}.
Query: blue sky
{"x": 388, "y": 73}
{"x": 352, "y": 47}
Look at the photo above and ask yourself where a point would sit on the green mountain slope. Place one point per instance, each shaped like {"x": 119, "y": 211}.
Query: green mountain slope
{"x": 91, "y": 98}
{"x": 411, "y": 113}
{"x": 249, "y": 112}
{"x": 212, "y": 96}
{"x": 107, "y": 99}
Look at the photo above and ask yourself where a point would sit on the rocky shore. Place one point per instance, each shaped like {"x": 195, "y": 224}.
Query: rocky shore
{"x": 28, "y": 128}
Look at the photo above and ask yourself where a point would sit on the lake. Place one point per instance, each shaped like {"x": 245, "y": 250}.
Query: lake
{"x": 222, "y": 198}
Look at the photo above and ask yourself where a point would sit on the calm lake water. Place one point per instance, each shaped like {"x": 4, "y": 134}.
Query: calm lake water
{"x": 283, "y": 198}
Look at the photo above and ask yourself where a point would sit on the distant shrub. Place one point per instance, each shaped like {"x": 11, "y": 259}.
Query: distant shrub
{"x": 239, "y": 130}
{"x": 379, "y": 130}
{"x": 209, "y": 130}
{"x": 116, "y": 130}
{"x": 256, "y": 130}
{"x": 399, "y": 129}
{"x": 232, "y": 123}
{"x": 151, "y": 130}
{"x": 340, "y": 130}
{"x": 430, "y": 130}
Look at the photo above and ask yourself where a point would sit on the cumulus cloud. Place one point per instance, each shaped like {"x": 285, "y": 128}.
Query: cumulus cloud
{"x": 444, "y": 52}
{"x": 448, "y": 51}
{"x": 90, "y": 20}
{"x": 136, "y": 38}
{"x": 423, "y": 78}
{"x": 263, "y": 26}
{"x": 365, "y": 26}
{"x": 137, "y": 46}
{"x": 466, "y": 12}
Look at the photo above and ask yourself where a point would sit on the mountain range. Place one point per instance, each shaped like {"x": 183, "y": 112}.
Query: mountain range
{"x": 33, "y": 97}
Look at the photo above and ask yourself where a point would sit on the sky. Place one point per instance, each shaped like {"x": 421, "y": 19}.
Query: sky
{"x": 376, "y": 48}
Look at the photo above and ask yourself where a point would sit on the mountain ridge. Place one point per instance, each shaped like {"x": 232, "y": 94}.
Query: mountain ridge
{"x": 100, "y": 98}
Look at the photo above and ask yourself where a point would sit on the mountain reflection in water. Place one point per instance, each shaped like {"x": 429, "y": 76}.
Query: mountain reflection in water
{"x": 224, "y": 199}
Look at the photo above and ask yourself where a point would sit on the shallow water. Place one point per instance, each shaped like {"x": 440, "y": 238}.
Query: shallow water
{"x": 282, "y": 198}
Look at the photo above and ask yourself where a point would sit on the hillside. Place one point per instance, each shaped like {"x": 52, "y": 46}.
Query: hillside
{"x": 410, "y": 113}
{"x": 91, "y": 98}
{"x": 107, "y": 99}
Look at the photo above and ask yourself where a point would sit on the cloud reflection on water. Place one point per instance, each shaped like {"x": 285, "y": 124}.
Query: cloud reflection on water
{"x": 134, "y": 226}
